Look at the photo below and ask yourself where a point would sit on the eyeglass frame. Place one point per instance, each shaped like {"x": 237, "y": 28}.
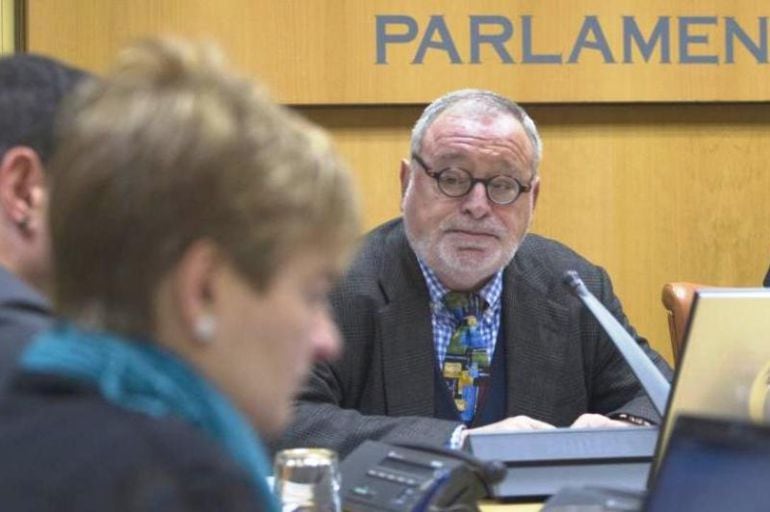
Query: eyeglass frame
{"x": 436, "y": 175}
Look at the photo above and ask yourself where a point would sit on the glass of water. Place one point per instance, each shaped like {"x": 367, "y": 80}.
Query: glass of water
{"x": 307, "y": 479}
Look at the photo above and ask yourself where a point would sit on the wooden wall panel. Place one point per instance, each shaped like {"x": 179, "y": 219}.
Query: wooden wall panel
{"x": 7, "y": 26}
{"x": 325, "y": 51}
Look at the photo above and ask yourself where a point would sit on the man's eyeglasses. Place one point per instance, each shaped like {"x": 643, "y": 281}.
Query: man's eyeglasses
{"x": 457, "y": 182}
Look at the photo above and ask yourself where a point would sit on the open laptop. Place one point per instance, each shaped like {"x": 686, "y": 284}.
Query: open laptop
{"x": 725, "y": 366}
{"x": 724, "y": 372}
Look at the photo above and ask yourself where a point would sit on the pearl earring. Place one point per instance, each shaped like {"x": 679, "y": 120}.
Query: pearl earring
{"x": 205, "y": 328}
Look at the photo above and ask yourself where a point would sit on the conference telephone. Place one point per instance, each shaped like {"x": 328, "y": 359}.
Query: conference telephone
{"x": 386, "y": 477}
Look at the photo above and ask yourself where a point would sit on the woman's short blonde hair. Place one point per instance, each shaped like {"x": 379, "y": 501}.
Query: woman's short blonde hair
{"x": 169, "y": 148}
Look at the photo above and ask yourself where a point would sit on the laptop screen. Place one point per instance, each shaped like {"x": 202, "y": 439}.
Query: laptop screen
{"x": 725, "y": 366}
{"x": 713, "y": 465}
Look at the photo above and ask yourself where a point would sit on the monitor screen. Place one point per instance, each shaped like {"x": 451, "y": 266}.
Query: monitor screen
{"x": 713, "y": 465}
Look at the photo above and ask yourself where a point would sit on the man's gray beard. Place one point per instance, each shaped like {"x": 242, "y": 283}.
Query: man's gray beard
{"x": 420, "y": 248}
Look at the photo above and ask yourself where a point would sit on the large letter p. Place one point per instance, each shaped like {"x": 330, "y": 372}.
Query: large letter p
{"x": 384, "y": 38}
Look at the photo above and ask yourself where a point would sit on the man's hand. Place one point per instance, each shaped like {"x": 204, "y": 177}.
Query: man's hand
{"x": 527, "y": 423}
{"x": 520, "y": 422}
{"x": 597, "y": 421}
{"x": 508, "y": 424}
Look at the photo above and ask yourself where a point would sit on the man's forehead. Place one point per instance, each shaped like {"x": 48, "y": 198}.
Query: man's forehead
{"x": 472, "y": 116}
{"x": 456, "y": 128}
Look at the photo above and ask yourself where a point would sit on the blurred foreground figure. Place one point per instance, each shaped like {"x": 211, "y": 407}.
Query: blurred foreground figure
{"x": 196, "y": 228}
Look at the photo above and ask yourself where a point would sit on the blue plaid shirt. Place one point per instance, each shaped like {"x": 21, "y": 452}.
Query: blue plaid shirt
{"x": 444, "y": 323}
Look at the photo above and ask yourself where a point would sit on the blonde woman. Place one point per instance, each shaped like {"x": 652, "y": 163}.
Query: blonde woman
{"x": 196, "y": 230}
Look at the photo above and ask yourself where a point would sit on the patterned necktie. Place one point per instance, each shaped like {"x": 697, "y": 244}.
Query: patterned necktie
{"x": 466, "y": 365}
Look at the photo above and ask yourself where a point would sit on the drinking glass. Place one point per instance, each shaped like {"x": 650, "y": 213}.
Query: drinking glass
{"x": 307, "y": 479}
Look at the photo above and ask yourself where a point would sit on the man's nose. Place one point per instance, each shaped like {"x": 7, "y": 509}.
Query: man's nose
{"x": 476, "y": 202}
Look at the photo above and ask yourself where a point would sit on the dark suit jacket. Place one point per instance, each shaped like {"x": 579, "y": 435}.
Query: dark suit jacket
{"x": 65, "y": 449}
{"x": 559, "y": 361}
{"x": 767, "y": 278}
{"x": 23, "y": 314}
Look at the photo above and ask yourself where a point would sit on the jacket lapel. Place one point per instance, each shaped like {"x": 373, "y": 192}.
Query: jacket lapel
{"x": 534, "y": 329}
{"x": 406, "y": 332}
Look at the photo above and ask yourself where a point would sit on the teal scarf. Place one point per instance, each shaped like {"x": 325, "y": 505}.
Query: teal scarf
{"x": 143, "y": 377}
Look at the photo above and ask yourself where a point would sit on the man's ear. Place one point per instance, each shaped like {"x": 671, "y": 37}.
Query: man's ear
{"x": 22, "y": 185}
{"x": 193, "y": 287}
{"x": 405, "y": 175}
{"x": 535, "y": 192}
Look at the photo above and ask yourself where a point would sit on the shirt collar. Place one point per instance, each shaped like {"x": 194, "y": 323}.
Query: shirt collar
{"x": 490, "y": 292}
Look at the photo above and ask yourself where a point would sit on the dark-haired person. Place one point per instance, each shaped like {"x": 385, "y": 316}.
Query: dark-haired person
{"x": 31, "y": 90}
{"x": 196, "y": 228}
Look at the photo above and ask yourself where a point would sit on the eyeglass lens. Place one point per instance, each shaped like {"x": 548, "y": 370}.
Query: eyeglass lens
{"x": 458, "y": 182}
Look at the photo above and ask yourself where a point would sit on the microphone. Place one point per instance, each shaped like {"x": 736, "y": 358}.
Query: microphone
{"x": 655, "y": 385}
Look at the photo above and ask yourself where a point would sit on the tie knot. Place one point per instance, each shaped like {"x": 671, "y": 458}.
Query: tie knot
{"x": 464, "y": 305}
